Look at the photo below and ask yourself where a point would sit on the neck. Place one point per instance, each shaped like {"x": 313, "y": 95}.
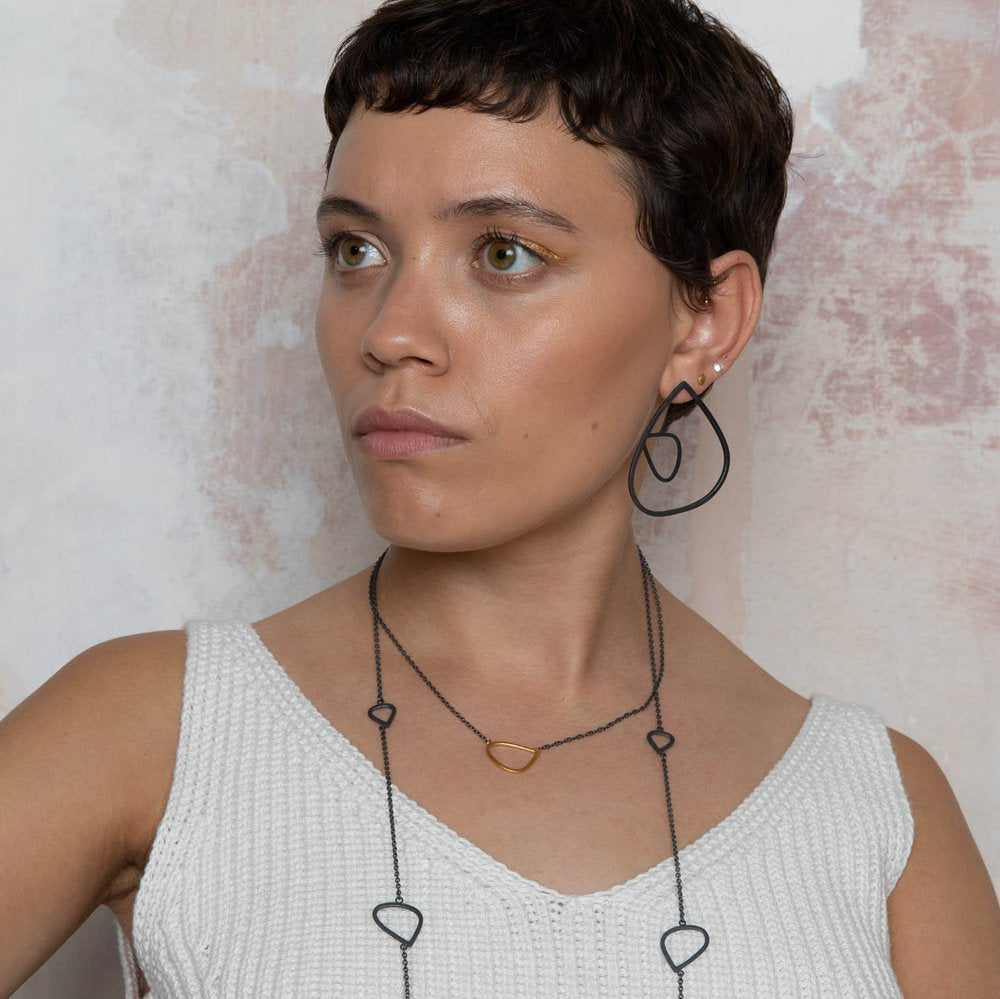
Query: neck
{"x": 552, "y": 614}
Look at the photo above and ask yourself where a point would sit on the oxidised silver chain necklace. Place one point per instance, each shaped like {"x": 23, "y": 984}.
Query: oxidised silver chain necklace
{"x": 383, "y": 712}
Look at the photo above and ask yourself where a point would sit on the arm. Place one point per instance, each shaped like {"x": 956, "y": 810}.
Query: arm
{"x": 944, "y": 921}
{"x": 85, "y": 769}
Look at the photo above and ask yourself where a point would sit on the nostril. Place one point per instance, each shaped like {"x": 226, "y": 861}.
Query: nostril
{"x": 372, "y": 362}
{"x": 417, "y": 362}
{"x": 426, "y": 350}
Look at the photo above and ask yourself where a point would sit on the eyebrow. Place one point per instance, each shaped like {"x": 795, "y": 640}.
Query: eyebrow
{"x": 494, "y": 204}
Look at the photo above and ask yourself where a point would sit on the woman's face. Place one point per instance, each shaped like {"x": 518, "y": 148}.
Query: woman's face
{"x": 485, "y": 275}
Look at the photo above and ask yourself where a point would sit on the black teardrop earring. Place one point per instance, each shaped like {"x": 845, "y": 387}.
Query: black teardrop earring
{"x": 651, "y": 433}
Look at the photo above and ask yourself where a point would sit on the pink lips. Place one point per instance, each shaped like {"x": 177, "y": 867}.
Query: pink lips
{"x": 401, "y": 433}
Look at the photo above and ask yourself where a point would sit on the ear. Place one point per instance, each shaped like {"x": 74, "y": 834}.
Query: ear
{"x": 716, "y": 336}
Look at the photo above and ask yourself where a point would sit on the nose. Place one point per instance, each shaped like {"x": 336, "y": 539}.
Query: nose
{"x": 408, "y": 329}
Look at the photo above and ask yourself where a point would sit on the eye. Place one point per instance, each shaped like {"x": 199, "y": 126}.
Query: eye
{"x": 507, "y": 254}
{"x": 350, "y": 252}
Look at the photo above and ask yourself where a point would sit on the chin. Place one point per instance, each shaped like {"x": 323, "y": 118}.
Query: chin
{"x": 420, "y": 523}
{"x": 434, "y": 533}
{"x": 449, "y": 516}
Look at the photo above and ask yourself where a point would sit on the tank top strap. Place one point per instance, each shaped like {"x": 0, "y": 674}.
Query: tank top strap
{"x": 858, "y": 756}
{"x": 218, "y": 672}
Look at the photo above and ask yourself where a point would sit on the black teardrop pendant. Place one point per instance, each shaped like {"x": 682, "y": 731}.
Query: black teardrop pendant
{"x": 660, "y": 740}
{"x": 405, "y": 941}
{"x": 678, "y": 965}
{"x": 382, "y": 713}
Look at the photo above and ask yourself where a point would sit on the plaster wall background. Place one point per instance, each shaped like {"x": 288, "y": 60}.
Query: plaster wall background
{"x": 168, "y": 447}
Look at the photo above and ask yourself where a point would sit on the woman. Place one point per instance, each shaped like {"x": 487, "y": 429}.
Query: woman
{"x": 468, "y": 770}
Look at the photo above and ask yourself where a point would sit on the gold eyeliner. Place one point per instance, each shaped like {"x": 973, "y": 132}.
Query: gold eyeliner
{"x": 542, "y": 252}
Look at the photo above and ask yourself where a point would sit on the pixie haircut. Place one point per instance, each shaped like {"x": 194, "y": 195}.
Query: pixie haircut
{"x": 704, "y": 126}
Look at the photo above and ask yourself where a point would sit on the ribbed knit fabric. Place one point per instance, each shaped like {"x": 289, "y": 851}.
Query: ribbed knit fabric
{"x": 274, "y": 847}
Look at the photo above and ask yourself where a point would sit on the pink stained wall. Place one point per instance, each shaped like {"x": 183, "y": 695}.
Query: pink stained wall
{"x": 169, "y": 450}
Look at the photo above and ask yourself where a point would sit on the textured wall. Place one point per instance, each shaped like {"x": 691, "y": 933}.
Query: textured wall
{"x": 168, "y": 448}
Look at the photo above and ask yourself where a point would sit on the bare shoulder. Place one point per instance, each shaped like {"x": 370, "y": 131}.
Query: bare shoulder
{"x": 140, "y": 680}
{"x": 85, "y": 767}
{"x": 115, "y": 708}
{"x": 944, "y": 895}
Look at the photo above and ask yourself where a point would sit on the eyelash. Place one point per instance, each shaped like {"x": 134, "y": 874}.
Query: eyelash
{"x": 327, "y": 247}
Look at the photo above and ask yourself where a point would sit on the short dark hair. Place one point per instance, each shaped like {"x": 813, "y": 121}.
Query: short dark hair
{"x": 705, "y": 128}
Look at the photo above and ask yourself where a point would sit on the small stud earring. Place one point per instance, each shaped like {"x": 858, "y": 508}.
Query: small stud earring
{"x": 718, "y": 367}
{"x": 701, "y": 379}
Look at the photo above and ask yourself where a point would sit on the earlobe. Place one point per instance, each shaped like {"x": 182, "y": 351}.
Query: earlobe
{"x": 714, "y": 337}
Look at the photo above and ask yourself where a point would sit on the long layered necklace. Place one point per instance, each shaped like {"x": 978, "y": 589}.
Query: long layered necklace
{"x": 681, "y": 943}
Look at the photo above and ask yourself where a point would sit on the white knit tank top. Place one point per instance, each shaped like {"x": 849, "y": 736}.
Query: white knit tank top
{"x": 274, "y": 846}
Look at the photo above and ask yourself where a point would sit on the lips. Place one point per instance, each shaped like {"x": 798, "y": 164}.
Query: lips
{"x": 401, "y": 433}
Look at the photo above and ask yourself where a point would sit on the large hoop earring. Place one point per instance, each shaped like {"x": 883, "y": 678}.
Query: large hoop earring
{"x": 642, "y": 451}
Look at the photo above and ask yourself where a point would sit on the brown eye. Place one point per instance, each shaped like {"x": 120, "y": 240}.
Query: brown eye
{"x": 509, "y": 255}
{"x": 502, "y": 254}
{"x": 354, "y": 253}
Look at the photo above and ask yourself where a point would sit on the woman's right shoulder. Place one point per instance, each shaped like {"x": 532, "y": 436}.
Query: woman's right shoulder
{"x": 135, "y": 675}
{"x": 109, "y": 719}
{"x": 135, "y": 685}
{"x": 86, "y": 763}
{"x": 127, "y": 673}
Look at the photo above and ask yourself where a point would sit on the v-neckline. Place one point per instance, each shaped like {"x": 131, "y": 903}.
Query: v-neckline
{"x": 758, "y": 806}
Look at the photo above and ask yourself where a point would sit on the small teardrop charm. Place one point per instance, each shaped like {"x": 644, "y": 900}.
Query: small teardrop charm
{"x": 663, "y": 435}
{"x": 398, "y": 908}
{"x": 693, "y": 942}
{"x": 660, "y": 739}
{"x": 382, "y": 713}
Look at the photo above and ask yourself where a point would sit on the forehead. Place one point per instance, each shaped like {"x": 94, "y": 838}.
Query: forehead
{"x": 420, "y": 160}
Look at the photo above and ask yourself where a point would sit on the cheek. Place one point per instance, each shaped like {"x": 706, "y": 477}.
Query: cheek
{"x": 586, "y": 372}
{"x": 323, "y": 329}
{"x": 338, "y": 354}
